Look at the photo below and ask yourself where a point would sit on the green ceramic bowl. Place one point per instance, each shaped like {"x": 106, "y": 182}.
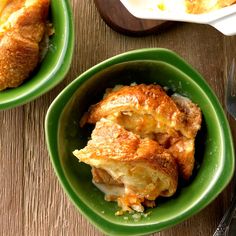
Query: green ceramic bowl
{"x": 54, "y": 66}
{"x": 214, "y": 147}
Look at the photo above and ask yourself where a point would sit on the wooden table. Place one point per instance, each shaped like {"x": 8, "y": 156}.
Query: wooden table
{"x": 31, "y": 200}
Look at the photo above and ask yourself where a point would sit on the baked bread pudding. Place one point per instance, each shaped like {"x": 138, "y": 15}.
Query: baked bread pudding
{"x": 204, "y": 6}
{"x": 23, "y": 25}
{"x": 183, "y": 6}
{"x": 143, "y": 141}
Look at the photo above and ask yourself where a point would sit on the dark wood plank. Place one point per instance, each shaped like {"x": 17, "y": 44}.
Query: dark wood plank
{"x": 119, "y": 19}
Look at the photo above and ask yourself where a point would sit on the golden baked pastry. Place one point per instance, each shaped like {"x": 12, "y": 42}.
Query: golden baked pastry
{"x": 128, "y": 169}
{"x": 142, "y": 141}
{"x": 148, "y": 107}
{"x": 22, "y": 28}
{"x": 148, "y": 111}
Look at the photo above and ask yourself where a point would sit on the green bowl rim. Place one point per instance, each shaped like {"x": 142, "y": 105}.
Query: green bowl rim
{"x": 59, "y": 71}
{"x": 51, "y": 131}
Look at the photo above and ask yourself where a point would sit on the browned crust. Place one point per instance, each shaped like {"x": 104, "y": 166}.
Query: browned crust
{"x": 14, "y": 67}
{"x": 147, "y": 97}
{"x": 144, "y": 100}
{"x": 205, "y": 6}
{"x": 111, "y": 141}
{"x": 20, "y": 36}
{"x": 150, "y": 99}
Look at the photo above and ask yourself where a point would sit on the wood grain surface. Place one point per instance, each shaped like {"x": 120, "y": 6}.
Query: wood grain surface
{"x": 31, "y": 200}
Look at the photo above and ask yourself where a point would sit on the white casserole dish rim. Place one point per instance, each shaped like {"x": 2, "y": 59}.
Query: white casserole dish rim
{"x": 223, "y": 19}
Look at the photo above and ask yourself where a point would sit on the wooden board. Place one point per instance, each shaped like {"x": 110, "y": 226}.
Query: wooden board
{"x": 119, "y": 19}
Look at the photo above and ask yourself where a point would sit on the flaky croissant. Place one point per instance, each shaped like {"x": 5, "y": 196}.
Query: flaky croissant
{"x": 148, "y": 111}
{"x": 130, "y": 170}
{"x": 22, "y": 28}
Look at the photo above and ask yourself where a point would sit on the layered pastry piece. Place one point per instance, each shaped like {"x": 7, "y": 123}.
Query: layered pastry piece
{"x": 128, "y": 169}
{"x": 23, "y": 25}
{"x": 148, "y": 111}
{"x": 146, "y": 108}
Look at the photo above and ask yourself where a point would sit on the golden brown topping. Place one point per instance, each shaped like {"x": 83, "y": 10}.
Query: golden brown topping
{"x": 143, "y": 139}
{"x": 204, "y": 6}
{"x": 22, "y": 28}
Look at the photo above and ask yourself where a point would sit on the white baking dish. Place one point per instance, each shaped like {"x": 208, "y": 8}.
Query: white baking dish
{"x": 223, "y": 19}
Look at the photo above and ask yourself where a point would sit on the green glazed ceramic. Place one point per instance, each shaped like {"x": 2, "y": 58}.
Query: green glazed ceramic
{"x": 54, "y": 66}
{"x": 214, "y": 148}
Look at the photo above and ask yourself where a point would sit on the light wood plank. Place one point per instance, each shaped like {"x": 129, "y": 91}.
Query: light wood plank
{"x": 11, "y": 172}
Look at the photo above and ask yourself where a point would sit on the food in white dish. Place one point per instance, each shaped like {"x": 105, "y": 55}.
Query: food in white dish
{"x": 182, "y": 6}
